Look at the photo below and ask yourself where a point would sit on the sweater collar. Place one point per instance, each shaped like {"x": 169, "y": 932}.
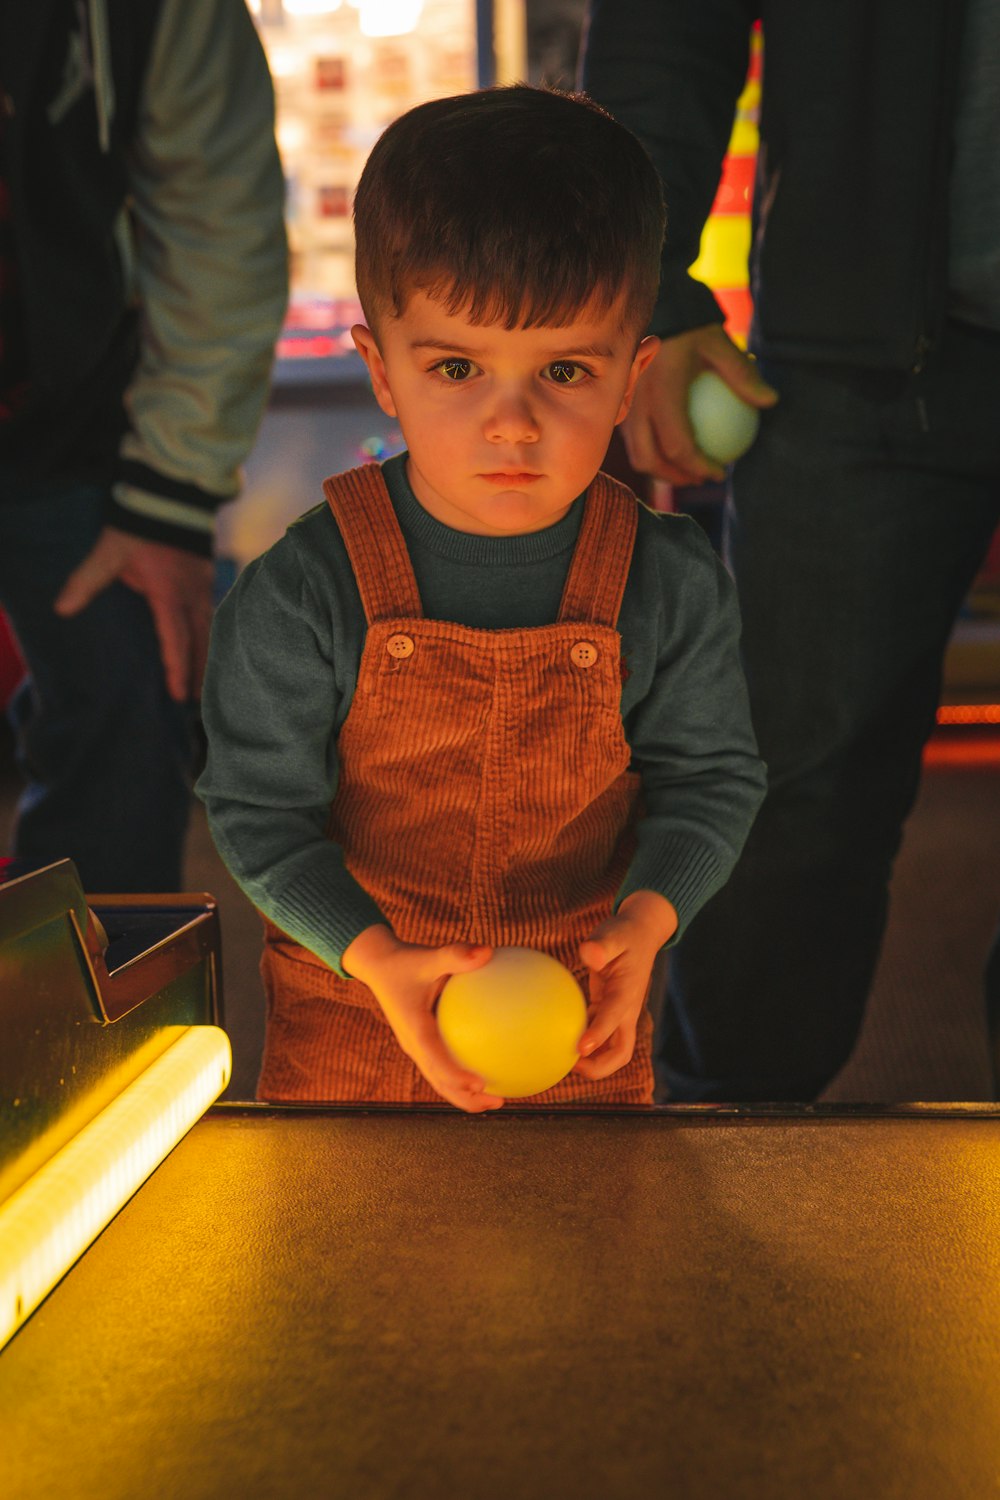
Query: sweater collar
{"x": 463, "y": 547}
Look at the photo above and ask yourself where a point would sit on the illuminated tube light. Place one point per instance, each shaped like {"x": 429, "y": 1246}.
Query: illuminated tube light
{"x": 48, "y": 1223}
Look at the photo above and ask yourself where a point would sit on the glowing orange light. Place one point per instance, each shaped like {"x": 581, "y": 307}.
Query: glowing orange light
{"x": 969, "y": 713}
{"x": 978, "y": 750}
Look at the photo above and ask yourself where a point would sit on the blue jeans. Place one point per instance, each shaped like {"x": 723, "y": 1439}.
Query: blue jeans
{"x": 107, "y": 757}
{"x": 855, "y": 526}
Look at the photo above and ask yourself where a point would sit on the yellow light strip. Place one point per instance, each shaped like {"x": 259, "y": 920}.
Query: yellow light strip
{"x": 48, "y": 1223}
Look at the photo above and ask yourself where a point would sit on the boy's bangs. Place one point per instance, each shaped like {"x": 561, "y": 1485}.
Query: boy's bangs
{"x": 515, "y": 300}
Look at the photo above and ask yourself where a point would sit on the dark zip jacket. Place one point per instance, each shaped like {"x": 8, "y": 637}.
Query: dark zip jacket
{"x": 147, "y": 199}
{"x": 850, "y": 252}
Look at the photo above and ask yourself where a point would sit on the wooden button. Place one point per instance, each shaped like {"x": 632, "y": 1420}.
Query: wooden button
{"x": 583, "y": 654}
{"x": 399, "y": 646}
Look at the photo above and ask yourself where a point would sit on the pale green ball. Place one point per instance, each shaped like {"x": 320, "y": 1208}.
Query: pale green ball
{"x": 724, "y": 426}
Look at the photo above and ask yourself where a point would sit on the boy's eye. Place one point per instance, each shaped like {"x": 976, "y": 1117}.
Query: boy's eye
{"x": 455, "y": 369}
{"x": 564, "y": 372}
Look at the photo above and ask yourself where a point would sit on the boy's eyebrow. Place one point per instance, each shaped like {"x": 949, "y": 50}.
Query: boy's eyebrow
{"x": 446, "y": 348}
{"x": 593, "y": 351}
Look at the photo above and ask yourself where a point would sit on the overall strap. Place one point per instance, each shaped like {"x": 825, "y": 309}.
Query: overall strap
{"x": 598, "y": 573}
{"x": 367, "y": 521}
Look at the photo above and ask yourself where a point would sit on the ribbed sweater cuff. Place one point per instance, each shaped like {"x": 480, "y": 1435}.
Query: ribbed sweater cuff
{"x": 324, "y": 910}
{"x": 682, "y": 869}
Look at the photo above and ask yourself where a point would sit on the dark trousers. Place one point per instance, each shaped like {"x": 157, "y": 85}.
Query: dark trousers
{"x": 855, "y": 526}
{"x": 105, "y": 754}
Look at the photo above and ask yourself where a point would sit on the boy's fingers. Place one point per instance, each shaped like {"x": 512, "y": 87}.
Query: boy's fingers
{"x": 605, "y": 944}
{"x": 614, "y": 1003}
{"x": 598, "y": 1032}
{"x": 593, "y": 954}
{"x": 608, "y": 1015}
{"x": 472, "y": 1104}
{"x": 462, "y": 1089}
{"x": 461, "y": 958}
{"x": 458, "y": 1085}
{"x": 608, "y": 1040}
{"x": 614, "y": 1054}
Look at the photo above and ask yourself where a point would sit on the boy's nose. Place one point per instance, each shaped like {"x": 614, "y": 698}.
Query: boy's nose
{"x": 512, "y": 420}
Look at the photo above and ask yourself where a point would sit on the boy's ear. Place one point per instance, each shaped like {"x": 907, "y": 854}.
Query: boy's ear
{"x": 364, "y": 342}
{"x": 643, "y": 356}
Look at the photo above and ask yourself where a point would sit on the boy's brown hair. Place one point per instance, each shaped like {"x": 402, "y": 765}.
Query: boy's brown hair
{"x": 516, "y": 205}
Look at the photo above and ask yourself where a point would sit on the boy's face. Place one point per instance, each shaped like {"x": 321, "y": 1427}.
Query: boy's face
{"x": 504, "y": 427}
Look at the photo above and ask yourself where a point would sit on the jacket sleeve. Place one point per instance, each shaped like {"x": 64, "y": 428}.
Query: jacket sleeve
{"x": 672, "y": 71}
{"x": 210, "y": 273}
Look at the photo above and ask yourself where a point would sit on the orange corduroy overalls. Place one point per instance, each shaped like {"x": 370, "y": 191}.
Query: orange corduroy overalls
{"x": 484, "y": 796}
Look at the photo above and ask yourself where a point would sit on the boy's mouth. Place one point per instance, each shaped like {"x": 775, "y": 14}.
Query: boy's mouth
{"x": 511, "y": 477}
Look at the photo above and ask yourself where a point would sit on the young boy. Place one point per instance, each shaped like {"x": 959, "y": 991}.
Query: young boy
{"x": 481, "y": 696}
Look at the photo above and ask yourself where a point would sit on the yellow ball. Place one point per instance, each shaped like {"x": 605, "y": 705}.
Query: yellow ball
{"x": 724, "y": 426}
{"x": 516, "y": 1021}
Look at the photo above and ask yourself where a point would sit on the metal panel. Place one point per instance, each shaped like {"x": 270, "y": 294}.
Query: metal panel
{"x": 78, "y": 1022}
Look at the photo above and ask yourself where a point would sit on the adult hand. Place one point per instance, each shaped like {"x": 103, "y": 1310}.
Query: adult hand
{"x": 176, "y": 585}
{"x": 619, "y": 955}
{"x": 657, "y": 433}
{"x": 406, "y": 980}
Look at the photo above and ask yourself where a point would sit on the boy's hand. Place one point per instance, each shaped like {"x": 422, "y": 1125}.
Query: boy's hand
{"x": 406, "y": 980}
{"x": 619, "y": 955}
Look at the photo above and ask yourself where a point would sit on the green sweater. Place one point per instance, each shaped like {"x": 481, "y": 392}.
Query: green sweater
{"x": 283, "y": 665}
